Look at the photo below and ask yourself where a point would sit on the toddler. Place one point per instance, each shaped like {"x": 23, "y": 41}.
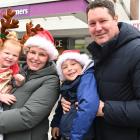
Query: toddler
{"x": 9, "y": 53}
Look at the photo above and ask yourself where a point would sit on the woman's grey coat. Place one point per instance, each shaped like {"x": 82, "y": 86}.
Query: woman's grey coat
{"x": 27, "y": 119}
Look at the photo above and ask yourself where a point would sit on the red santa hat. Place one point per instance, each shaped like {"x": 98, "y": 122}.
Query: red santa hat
{"x": 43, "y": 39}
{"x": 83, "y": 59}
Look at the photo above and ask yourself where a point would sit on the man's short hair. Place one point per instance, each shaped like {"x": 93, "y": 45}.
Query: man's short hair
{"x": 102, "y": 3}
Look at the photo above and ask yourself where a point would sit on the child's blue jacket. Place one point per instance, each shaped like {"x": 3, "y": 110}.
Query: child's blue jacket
{"x": 76, "y": 123}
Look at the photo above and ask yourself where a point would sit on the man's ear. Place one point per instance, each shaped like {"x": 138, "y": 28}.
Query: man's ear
{"x": 116, "y": 18}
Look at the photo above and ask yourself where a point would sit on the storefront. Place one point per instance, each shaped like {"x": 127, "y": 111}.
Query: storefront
{"x": 67, "y": 35}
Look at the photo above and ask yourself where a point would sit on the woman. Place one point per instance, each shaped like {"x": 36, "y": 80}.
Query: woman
{"x": 27, "y": 119}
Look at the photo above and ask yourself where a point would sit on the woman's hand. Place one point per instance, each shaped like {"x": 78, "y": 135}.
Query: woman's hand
{"x": 7, "y": 98}
{"x": 100, "y": 109}
{"x": 65, "y": 105}
{"x": 55, "y": 132}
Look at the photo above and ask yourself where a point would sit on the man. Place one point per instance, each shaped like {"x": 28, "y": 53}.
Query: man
{"x": 116, "y": 53}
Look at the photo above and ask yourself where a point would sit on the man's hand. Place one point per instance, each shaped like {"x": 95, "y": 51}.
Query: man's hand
{"x": 100, "y": 109}
{"x": 65, "y": 105}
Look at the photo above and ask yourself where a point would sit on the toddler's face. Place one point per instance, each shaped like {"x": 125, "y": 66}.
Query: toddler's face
{"x": 71, "y": 69}
{"x": 9, "y": 55}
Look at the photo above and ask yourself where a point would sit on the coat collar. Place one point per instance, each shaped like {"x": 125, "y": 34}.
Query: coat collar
{"x": 101, "y": 53}
{"x": 49, "y": 69}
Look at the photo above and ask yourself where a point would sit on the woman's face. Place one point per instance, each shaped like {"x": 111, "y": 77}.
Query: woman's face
{"x": 37, "y": 58}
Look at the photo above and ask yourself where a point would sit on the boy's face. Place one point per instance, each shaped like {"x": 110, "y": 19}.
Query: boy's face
{"x": 71, "y": 69}
{"x": 9, "y": 55}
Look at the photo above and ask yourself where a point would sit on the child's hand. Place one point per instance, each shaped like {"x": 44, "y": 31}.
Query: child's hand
{"x": 55, "y": 132}
{"x": 7, "y": 98}
{"x": 19, "y": 79}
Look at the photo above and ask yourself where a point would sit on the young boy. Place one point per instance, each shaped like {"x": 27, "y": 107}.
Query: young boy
{"x": 9, "y": 54}
{"x": 78, "y": 85}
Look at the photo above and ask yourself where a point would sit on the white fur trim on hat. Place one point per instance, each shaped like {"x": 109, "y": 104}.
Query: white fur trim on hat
{"x": 43, "y": 43}
{"x": 83, "y": 59}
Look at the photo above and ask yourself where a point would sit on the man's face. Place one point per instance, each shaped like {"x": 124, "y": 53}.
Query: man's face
{"x": 102, "y": 26}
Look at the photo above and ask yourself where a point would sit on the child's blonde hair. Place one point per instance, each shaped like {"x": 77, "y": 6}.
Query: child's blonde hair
{"x": 12, "y": 35}
{"x": 13, "y": 39}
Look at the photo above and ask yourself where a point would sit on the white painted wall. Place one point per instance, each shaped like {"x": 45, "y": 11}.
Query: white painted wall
{"x": 127, "y": 4}
{"x": 120, "y": 11}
